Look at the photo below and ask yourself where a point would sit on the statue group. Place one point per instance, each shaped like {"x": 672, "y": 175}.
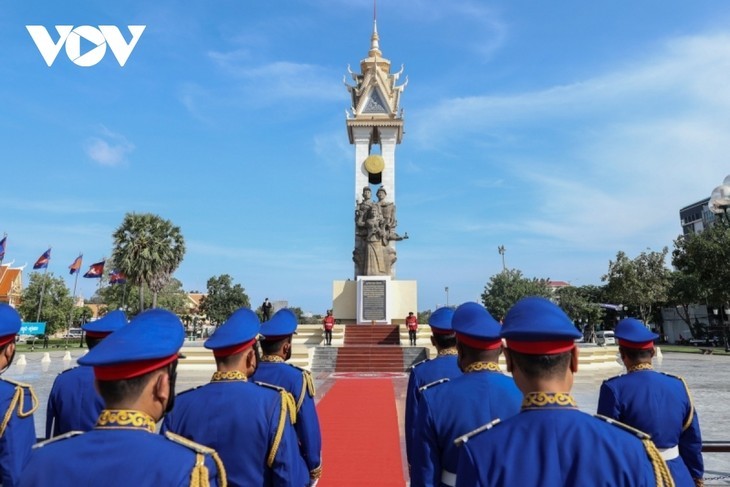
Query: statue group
{"x": 374, "y": 231}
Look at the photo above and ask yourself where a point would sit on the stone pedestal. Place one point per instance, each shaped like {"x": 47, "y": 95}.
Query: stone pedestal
{"x": 374, "y": 299}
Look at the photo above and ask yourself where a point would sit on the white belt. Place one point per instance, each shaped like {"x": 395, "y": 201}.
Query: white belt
{"x": 448, "y": 478}
{"x": 669, "y": 453}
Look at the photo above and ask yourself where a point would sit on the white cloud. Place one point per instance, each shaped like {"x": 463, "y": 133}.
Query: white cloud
{"x": 108, "y": 149}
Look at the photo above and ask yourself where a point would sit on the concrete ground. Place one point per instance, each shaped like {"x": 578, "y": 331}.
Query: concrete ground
{"x": 708, "y": 377}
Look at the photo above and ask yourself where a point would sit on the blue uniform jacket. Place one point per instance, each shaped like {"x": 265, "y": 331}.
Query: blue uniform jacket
{"x": 452, "y": 409}
{"x": 423, "y": 373}
{"x": 243, "y": 422}
{"x": 73, "y": 404}
{"x": 120, "y": 452}
{"x": 299, "y": 384}
{"x": 551, "y": 443}
{"x": 17, "y": 436}
{"x": 660, "y": 405}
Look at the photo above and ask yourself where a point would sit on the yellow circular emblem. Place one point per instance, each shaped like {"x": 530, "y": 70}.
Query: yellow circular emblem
{"x": 374, "y": 164}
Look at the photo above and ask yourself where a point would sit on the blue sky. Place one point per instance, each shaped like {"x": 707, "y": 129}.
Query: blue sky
{"x": 565, "y": 131}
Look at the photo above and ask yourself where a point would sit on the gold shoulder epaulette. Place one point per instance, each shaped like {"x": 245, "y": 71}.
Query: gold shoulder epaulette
{"x": 464, "y": 438}
{"x": 661, "y": 470}
{"x": 199, "y": 476}
{"x": 270, "y": 386}
{"x": 17, "y": 403}
{"x": 288, "y": 409}
{"x": 432, "y": 384}
{"x": 418, "y": 363}
{"x": 64, "y": 436}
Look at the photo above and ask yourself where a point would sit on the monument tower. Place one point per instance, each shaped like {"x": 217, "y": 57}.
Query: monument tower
{"x": 375, "y": 127}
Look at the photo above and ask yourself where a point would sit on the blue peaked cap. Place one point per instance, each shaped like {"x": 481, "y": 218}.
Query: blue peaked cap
{"x": 633, "y": 330}
{"x": 153, "y": 334}
{"x": 9, "y": 320}
{"x": 474, "y": 320}
{"x": 241, "y": 327}
{"x": 110, "y": 322}
{"x": 441, "y": 319}
{"x": 283, "y": 323}
{"x": 536, "y": 319}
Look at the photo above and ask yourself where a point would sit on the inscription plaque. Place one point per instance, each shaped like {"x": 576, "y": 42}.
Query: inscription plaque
{"x": 373, "y": 300}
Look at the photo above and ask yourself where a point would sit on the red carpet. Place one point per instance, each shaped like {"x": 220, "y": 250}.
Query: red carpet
{"x": 360, "y": 437}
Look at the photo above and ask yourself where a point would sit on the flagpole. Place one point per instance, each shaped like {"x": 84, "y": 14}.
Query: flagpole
{"x": 73, "y": 303}
{"x": 43, "y": 291}
{"x": 2, "y": 256}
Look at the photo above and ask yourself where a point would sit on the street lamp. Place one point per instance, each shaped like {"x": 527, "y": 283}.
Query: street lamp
{"x": 501, "y": 251}
{"x": 447, "y": 295}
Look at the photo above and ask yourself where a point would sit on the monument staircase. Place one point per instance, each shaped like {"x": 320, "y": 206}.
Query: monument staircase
{"x": 370, "y": 348}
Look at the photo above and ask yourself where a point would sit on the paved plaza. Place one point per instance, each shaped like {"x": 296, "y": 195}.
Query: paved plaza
{"x": 708, "y": 377}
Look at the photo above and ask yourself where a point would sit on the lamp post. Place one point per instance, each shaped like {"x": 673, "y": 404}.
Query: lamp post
{"x": 447, "y": 295}
{"x": 501, "y": 251}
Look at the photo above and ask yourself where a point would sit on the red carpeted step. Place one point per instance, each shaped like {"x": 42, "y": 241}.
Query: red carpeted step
{"x": 369, "y": 359}
{"x": 372, "y": 335}
{"x": 360, "y": 437}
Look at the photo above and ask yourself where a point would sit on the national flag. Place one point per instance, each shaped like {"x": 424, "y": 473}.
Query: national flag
{"x": 95, "y": 270}
{"x": 2, "y": 247}
{"x": 76, "y": 265}
{"x": 42, "y": 262}
{"x": 117, "y": 277}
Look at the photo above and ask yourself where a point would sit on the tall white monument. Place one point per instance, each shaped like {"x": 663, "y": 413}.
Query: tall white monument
{"x": 375, "y": 127}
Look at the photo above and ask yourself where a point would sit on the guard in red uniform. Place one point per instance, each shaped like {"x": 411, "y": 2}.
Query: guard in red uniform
{"x": 412, "y": 324}
{"x": 329, "y": 324}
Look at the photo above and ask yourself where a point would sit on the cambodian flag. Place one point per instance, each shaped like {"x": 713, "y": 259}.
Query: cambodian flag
{"x": 95, "y": 270}
{"x": 76, "y": 266}
{"x": 42, "y": 262}
{"x": 2, "y": 247}
{"x": 117, "y": 277}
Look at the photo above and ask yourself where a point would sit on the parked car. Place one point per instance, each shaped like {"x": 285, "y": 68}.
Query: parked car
{"x": 605, "y": 337}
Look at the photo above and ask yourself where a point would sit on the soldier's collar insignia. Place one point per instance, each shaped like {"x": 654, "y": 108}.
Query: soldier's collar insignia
{"x": 272, "y": 358}
{"x": 229, "y": 375}
{"x": 548, "y": 400}
{"x": 447, "y": 351}
{"x": 481, "y": 366}
{"x": 637, "y": 367}
{"x": 125, "y": 419}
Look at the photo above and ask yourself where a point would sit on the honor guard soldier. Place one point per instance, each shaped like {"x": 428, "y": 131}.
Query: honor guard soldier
{"x": 17, "y": 404}
{"x": 276, "y": 347}
{"x": 74, "y": 404}
{"x": 135, "y": 370}
{"x": 551, "y": 442}
{"x": 249, "y": 424}
{"x": 443, "y": 366}
{"x": 412, "y": 325}
{"x": 451, "y": 408}
{"x": 674, "y": 427}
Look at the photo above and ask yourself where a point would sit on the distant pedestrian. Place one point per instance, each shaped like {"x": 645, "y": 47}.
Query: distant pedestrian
{"x": 266, "y": 309}
{"x": 329, "y": 324}
{"x": 45, "y": 341}
{"x": 412, "y": 324}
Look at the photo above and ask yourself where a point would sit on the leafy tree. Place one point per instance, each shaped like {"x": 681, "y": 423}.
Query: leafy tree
{"x": 223, "y": 299}
{"x": 81, "y": 314}
{"x": 641, "y": 283}
{"x": 148, "y": 250}
{"x": 580, "y": 305}
{"x": 424, "y": 316}
{"x": 684, "y": 291}
{"x": 509, "y": 286}
{"x": 57, "y": 302}
{"x": 117, "y": 296}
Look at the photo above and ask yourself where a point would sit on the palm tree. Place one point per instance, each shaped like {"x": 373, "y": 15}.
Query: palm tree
{"x": 148, "y": 249}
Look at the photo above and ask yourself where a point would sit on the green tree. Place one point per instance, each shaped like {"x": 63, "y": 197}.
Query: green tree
{"x": 509, "y": 286}
{"x": 641, "y": 283}
{"x": 223, "y": 299}
{"x": 57, "y": 301}
{"x": 580, "y": 304}
{"x": 424, "y": 316}
{"x": 684, "y": 291}
{"x": 148, "y": 249}
{"x": 116, "y": 296}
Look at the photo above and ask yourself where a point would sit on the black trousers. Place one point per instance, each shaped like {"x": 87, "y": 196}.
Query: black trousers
{"x": 328, "y": 337}
{"x": 412, "y": 336}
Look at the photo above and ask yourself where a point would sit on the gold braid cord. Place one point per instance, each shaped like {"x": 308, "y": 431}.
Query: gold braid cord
{"x": 690, "y": 416}
{"x": 661, "y": 471}
{"x": 637, "y": 367}
{"x": 447, "y": 351}
{"x": 200, "y": 476}
{"x": 300, "y": 399}
{"x": 19, "y": 401}
{"x": 287, "y": 408}
{"x": 310, "y": 382}
{"x": 480, "y": 366}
